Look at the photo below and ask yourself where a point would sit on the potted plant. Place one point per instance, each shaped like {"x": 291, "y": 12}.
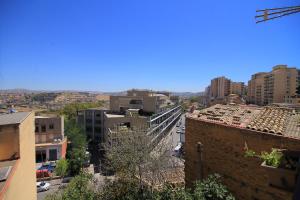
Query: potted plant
{"x": 279, "y": 166}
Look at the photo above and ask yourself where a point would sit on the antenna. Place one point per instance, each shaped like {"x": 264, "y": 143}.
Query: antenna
{"x": 273, "y": 13}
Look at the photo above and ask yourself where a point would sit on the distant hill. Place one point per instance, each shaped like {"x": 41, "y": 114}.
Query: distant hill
{"x": 121, "y": 93}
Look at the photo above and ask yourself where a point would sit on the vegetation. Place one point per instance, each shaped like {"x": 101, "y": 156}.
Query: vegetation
{"x": 61, "y": 168}
{"x": 212, "y": 189}
{"x": 274, "y": 158}
{"x": 132, "y": 157}
{"x": 79, "y": 188}
{"x": 82, "y": 188}
{"x": 70, "y": 110}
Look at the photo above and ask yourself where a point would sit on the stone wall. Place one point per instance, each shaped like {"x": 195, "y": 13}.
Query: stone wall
{"x": 222, "y": 151}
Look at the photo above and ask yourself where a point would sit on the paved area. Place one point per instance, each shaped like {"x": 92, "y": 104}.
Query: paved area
{"x": 53, "y": 188}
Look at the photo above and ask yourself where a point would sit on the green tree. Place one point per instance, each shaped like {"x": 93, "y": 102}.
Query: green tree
{"x": 76, "y": 153}
{"x": 61, "y": 168}
{"x": 211, "y": 189}
{"x": 170, "y": 192}
{"x": 80, "y": 188}
{"x": 70, "y": 110}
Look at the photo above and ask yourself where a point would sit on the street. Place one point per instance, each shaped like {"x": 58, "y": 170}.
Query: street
{"x": 53, "y": 189}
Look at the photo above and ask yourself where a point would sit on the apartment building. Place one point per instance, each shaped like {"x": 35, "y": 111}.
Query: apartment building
{"x": 50, "y": 142}
{"x": 237, "y": 88}
{"x": 219, "y": 87}
{"x": 17, "y": 158}
{"x": 216, "y": 139}
{"x": 273, "y": 87}
{"x": 152, "y": 111}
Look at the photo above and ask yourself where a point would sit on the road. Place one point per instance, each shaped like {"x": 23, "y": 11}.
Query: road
{"x": 53, "y": 189}
{"x": 171, "y": 140}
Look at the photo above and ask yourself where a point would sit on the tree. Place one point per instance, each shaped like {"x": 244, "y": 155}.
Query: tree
{"x": 77, "y": 157}
{"x": 133, "y": 157}
{"x": 61, "y": 168}
{"x": 80, "y": 188}
{"x": 211, "y": 189}
{"x": 70, "y": 110}
{"x": 76, "y": 153}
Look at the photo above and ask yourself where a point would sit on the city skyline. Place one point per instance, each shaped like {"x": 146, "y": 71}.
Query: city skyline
{"x": 116, "y": 46}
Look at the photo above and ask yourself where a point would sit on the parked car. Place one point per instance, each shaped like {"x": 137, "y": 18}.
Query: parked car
{"x": 42, "y": 186}
{"x": 183, "y": 128}
{"x": 177, "y": 149}
{"x": 178, "y": 131}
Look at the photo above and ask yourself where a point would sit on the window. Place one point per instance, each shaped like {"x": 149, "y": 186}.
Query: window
{"x": 98, "y": 115}
{"x": 37, "y": 129}
{"x": 97, "y": 129}
{"x": 51, "y": 126}
{"x": 88, "y": 120}
{"x": 88, "y": 129}
{"x": 43, "y": 128}
{"x": 98, "y": 121}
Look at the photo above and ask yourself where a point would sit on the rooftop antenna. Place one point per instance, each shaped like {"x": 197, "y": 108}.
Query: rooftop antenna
{"x": 273, "y": 13}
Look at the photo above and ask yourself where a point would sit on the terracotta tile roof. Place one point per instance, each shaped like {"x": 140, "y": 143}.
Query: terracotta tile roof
{"x": 271, "y": 119}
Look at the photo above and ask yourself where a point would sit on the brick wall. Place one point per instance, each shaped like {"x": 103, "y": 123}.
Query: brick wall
{"x": 223, "y": 153}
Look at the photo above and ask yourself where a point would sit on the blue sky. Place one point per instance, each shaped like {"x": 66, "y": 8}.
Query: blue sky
{"x": 110, "y": 45}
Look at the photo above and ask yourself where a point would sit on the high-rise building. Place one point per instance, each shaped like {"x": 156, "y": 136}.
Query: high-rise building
{"x": 219, "y": 87}
{"x": 274, "y": 86}
{"x": 17, "y": 157}
{"x": 237, "y": 88}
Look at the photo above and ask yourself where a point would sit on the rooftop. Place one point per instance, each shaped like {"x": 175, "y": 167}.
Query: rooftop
{"x": 275, "y": 120}
{"x": 13, "y": 118}
{"x": 6, "y": 170}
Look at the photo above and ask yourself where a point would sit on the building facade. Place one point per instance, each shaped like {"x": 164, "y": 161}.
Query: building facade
{"x": 50, "y": 142}
{"x": 17, "y": 157}
{"x": 219, "y": 87}
{"x": 152, "y": 111}
{"x": 273, "y": 87}
{"x": 237, "y": 88}
{"x": 217, "y": 137}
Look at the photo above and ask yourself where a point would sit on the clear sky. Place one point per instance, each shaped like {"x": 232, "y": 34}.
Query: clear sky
{"x": 110, "y": 45}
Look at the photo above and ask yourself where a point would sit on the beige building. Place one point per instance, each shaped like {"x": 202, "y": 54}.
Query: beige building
{"x": 147, "y": 101}
{"x": 17, "y": 157}
{"x": 237, "y": 88}
{"x": 50, "y": 142}
{"x": 216, "y": 140}
{"x": 274, "y": 86}
{"x": 219, "y": 87}
{"x": 149, "y": 110}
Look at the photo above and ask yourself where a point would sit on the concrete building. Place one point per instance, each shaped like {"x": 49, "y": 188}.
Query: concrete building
{"x": 152, "y": 111}
{"x": 219, "y": 87}
{"x": 17, "y": 157}
{"x": 237, "y": 88}
{"x": 216, "y": 139}
{"x": 147, "y": 101}
{"x": 50, "y": 142}
{"x": 273, "y": 87}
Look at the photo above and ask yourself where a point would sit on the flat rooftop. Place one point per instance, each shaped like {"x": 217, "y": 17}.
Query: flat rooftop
{"x": 13, "y": 118}
{"x": 269, "y": 119}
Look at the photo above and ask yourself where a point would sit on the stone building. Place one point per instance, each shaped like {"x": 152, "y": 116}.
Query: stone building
{"x": 216, "y": 139}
